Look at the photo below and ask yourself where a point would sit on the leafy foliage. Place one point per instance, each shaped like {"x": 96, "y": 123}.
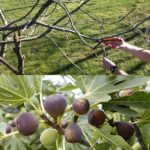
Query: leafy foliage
{"x": 99, "y": 87}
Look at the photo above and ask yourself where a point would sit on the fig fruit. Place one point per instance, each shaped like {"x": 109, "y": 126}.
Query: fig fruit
{"x": 73, "y": 133}
{"x": 124, "y": 129}
{"x": 48, "y": 137}
{"x": 55, "y": 105}
{"x": 26, "y": 124}
{"x": 81, "y": 106}
{"x": 96, "y": 117}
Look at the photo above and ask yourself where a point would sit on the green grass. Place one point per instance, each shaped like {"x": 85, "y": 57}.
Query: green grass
{"x": 43, "y": 57}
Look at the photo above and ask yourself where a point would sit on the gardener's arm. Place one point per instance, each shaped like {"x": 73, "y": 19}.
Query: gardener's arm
{"x": 109, "y": 65}
{"x": 140, "y": 53}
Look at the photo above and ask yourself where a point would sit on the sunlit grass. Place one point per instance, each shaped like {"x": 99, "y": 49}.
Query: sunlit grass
{"x": 43, "y": 57}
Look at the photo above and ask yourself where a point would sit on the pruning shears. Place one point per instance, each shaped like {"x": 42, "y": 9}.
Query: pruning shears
{"x": 105, "y": 40}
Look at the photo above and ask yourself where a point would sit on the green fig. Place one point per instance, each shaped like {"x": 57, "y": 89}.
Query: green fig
{"x": 48, "y": 137}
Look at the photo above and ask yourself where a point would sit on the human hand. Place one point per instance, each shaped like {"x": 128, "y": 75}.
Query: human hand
{"x": 115, "y": 42}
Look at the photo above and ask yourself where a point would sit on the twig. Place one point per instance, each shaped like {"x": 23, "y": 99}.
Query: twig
{"x": 10, "y": 67}
{"x": 63, "y": 6}
{"x": 4, "y": 35}
{"x": 33, "y": 20}
{"x": 65, "y": 55}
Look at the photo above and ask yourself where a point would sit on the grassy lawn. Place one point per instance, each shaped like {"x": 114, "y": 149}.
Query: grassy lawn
{"x": 43, "y": 57}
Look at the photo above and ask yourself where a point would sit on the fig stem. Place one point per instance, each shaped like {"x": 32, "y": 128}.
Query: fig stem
{"x": 139, "y": 136}
{"x": 111, "y": 122}
{"x": 52, "y": 124}
{"x": 90, "y": 144}
{"x": 75, "y": 118}
{"x": 8, "y": 135}
{"x": 40, "y": 96}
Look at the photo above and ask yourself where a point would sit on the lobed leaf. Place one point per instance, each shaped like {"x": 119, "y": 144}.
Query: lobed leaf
{"x": 99, "y": 88}
{"x": 16, "y": 90}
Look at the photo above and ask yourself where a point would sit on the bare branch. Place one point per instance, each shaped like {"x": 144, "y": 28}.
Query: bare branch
{"x": 10, "y": 67}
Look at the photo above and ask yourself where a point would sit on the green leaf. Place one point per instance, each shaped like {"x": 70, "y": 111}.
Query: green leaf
{"x": 99, "y": 87}
{"x": 126, "y": 110}
{"x": 137, "y": 100}
{"x": 37, "y": 83}
{"x": 102, "y": 146}
{"x": 16, "y": 90}
{"x": 145, "y": 130}
{"x": 48, "y": 88}
{"x": 144, "y": 118}
{"x": 3, "y": 128}
{"x": 68, "y": 87}
{"x": 115, "y": 140}
{"x": 13, "y": 143}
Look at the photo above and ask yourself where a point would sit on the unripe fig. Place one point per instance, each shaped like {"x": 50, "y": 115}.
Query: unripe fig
{"x": 136, "y": 146}
{"x": 124, "y": 129}
{"x": 8, "y": 129}
{"x": 48, "y": 137}
{"x": 73, "y": 133}
{"x": 12, "y": 123}
{"x": 96, "y": 117}
{"x": 81, "y": 106}
{"x": 55, "y": 105}
{"x": 26, "y": 123}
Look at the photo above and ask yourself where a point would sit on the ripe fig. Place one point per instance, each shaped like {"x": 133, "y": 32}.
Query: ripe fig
{"x": 8, "y": 129}
{"x": 48, "y": 137}
{"x": 124, "y": 129}
{"x": 81, "y": 106}
{"x": 96, "y": 117}
{"x": 55, "y": 105}
{"x": 26, "y": 124}
{"x": 73, "y": 133}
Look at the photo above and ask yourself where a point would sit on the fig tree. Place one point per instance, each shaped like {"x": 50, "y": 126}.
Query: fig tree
{"x": 96, "y": 117}
{"x": 55, "y": 105}
{"x": 26, "y": 124}
{"x": 48, "y": 137}
{"x": 73, "y": 133}
{"x": 124, "y": 129}
{"x": 81, "y": 106}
